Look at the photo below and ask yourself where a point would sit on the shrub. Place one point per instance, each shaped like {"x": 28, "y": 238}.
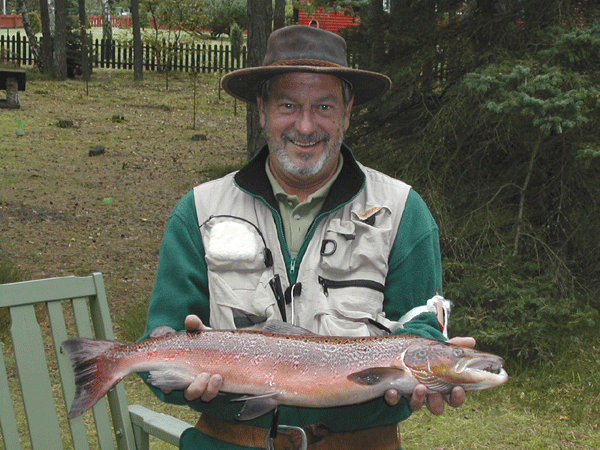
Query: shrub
{"x": 514, "y": 307}
{"x": 35, "y": 22}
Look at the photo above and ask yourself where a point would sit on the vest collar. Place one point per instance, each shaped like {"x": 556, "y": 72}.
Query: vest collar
{"x": 253, "y": 179}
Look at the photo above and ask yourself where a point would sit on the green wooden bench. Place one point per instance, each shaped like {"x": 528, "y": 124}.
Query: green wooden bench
{"x": 69, "y": 303}
{"x": 12, "y": 81}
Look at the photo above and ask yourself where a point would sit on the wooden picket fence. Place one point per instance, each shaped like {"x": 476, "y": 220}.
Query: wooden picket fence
{"x": 163, "y": 56}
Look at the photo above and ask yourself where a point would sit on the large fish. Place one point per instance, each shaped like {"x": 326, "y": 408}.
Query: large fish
{"x": 278, "y": 368}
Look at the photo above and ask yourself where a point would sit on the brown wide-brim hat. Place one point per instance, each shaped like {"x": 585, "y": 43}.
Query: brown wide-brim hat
{"x": 300, "y": 48}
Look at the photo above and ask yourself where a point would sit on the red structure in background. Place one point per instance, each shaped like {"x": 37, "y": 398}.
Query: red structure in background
{"x": 332, "y": 21}
{"x": 11, "y": 21}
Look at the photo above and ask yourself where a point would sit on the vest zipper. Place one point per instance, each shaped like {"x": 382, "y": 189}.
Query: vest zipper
{"x": 331, "y": 284}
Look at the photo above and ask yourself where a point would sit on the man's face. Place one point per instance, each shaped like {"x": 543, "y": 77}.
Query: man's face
{"x": 304, "y": 121}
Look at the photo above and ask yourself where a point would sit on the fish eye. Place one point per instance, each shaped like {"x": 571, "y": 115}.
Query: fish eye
{"x": 422, "y": 353}
{"x": 458, "y": 352}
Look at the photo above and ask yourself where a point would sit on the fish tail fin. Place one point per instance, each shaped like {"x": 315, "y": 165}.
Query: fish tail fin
{"x": 95, "y": 372}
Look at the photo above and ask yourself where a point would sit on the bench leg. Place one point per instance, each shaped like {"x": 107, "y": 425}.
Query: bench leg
{"x": 12, "y": 93}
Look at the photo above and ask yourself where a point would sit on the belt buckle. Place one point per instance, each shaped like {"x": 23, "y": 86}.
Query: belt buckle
{"x": 272, "y": 433}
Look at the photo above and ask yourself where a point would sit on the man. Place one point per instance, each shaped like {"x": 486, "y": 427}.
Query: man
{"x": 306, "y": 234}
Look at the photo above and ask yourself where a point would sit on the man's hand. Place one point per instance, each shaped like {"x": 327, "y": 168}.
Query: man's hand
{"x": 434, "y": 402}
{"x": 205, "y": 386}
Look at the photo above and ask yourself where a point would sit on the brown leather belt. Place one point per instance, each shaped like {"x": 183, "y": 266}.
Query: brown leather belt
{"x": 318, "y": 436}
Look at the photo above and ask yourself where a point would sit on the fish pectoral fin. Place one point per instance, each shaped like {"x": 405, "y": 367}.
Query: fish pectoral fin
{"x": 256, "y": 406}
{"x": 170, "y": 379}
{"x": 376, "y": 375}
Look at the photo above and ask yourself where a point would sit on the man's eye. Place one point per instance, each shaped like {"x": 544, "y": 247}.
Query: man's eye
{"x": 325, "y": 107}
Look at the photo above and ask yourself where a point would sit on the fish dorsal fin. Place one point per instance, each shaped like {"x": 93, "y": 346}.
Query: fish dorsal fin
{"x": 280, "y": 327}
{"x": 256, "y": 406}
{"x": 376, "y": 375}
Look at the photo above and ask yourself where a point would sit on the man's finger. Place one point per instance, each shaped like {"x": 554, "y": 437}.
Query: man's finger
{"x": 468, "y": 342}
{"x": 212, "y": 389}
{"x": 193, "y": 323}
{"x": 197, "y": 388}
{"x": 392, "y": 397}
{"x": 457, "y": 397}
{"x": 417, "y": 399}
{"x": 435, "y": 404}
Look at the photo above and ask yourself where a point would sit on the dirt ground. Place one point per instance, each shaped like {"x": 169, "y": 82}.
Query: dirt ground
{"x": 64, "y": 211}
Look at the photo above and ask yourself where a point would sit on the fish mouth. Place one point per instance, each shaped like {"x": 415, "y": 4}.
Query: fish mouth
{"x": 493, "y": 366}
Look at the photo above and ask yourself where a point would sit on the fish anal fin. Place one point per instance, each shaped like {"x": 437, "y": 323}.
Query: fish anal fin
{"x": 170, "y": 379}
{"x": 256, "y": 406}
{"x": 376, "y": 375}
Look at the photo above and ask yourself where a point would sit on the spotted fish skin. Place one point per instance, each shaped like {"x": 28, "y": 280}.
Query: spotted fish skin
{"x": 271, "y": 368}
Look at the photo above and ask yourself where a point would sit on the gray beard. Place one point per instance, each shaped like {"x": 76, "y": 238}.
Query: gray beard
{"x": 277, "y": 150}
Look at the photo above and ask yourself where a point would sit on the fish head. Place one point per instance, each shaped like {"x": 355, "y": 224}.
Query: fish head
{"x": 441, "y": 366}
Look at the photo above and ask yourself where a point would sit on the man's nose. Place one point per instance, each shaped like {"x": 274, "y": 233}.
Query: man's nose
{"x": 306, "y": 121}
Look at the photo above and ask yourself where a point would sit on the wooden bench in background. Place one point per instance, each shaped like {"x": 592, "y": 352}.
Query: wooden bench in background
{"x": 12, "y": 81}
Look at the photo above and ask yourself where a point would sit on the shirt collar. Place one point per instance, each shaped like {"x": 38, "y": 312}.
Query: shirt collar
{"x": 320, "y": 194}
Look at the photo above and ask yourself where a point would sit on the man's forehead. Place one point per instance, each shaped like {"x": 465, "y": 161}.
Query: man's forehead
{"x": 299, "y": 80}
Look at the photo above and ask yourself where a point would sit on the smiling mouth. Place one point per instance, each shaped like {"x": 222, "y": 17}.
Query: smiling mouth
{"x": 304, "y": 144}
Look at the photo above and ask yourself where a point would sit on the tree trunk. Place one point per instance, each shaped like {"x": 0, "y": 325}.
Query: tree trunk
{"x": 85, "y": 61}
{"x": 138, "y": 53}
{"x": 107, "y": 37}
{"x": 279, "y": 14}
{"x": 260, "y": 15}
{"x": 47, "y": 51}
{"x": 60, "y": 39}
{"x": 106, "y": 25}
{"x": 33, "y": 42}
{"x": 375, "y": 16}
{"x": 523, "y": 189}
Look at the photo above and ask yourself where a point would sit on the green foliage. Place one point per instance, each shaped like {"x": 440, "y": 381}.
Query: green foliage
{"x": 220, "y": 14}
{"x": 514, "y": 307}
{"x": 237, "y": 41}
{"x": 493, "y": 118}
{"x": 35, "y": 22}
{"x": 548, "y": 98}
{"x": 197, "y": 15}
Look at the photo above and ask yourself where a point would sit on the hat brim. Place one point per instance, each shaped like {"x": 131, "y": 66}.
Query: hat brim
{"x": 366, "y": 86}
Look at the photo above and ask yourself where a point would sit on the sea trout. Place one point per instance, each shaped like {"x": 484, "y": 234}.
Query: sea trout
{"x": 271, "y": 368}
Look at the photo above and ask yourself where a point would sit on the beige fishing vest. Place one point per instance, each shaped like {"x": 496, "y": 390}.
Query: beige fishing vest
{"x": 341, "y": 277}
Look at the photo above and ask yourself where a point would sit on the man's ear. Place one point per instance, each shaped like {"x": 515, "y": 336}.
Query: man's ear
{"x": 261, "y": 111}
{"x": 348, "y": 114}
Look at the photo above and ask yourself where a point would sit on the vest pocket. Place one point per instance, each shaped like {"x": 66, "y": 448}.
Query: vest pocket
{"x": 350, "y": 307}
{"x": 367, "y": 284}
{"x": 352, "y": 270}
{"x": 239, "y": 269}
